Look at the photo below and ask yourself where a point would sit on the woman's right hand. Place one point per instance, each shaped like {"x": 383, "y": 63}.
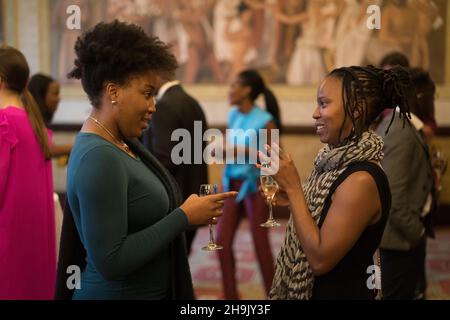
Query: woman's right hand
{"x": 202, "y": 210}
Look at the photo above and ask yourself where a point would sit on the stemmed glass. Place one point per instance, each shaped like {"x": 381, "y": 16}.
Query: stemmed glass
{"x": 439, "y": 163}
{"x": 270, "y": 188}
{"x": 207, "y": 189}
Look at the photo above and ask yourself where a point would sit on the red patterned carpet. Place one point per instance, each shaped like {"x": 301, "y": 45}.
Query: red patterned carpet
{"x": 207, "y": 276}
{"x": 438, "y": 265}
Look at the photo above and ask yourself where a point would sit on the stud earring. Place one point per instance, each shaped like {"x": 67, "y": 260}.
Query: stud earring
{"x": 113, "y": 101}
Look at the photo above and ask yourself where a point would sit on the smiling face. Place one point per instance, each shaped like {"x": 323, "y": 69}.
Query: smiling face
{"x": 135, "y": 104}
{"x": 329, "y": 114}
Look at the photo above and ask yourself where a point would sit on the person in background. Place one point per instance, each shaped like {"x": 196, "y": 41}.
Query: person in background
{"x": 27, "y": 225}
{"x": 45, "y": 91}
{"x": 425, "y": 127}
{"x": 399, "y": 21}
{"x": 425, "y": 92}
{"x": 394, "y": 59}
{"x": 176, "y": 109}
{"x": 246, "y": 115}
{"x": 123, "y": 204}
{"x": 407, "y": 164}
{"x": 425, "y": 123}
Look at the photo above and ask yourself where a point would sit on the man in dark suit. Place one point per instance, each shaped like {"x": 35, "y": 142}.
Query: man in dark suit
{"x": 408, "y": 168}
{"x": 176, "y": 109}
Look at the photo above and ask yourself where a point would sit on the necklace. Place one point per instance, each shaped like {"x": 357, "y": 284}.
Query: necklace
{"x": 121, "y": 143}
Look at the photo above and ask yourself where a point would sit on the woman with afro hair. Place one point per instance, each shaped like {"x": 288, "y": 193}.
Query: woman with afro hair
{"x": 126, "y": 220}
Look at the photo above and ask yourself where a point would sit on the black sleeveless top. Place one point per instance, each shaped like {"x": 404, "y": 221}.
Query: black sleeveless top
{"x": 348, "y": 279}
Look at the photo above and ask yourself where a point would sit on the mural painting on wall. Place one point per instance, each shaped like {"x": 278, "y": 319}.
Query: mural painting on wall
{"x": 294, "y": 42}
{"x": 2, "y": 23}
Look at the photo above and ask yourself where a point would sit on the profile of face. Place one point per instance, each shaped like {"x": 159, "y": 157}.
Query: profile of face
{"x": 329, "y": 114}
{"x": 52, "y": 97}
{"x": 135, "y": 104}
{"x": 238, "y": 92}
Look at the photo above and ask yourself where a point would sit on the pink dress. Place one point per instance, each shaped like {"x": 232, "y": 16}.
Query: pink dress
{"x": 27, "y": 223}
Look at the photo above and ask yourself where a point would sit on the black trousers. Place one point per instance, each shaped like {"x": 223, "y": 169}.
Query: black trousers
{"x": 422, "y": 281}
{"x": 403, "y": 272}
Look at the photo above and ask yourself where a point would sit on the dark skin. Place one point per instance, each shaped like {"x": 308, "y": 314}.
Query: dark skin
{"x": 125, "y": 110}
{"x": 239, "y": 95}
{"x": 355, "y": 203}
{"x": 52, "y": 99}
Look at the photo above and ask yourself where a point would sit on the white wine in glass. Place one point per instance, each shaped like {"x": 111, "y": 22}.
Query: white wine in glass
{"x": 270, "y": 188}
{"x": 207, "y": 189}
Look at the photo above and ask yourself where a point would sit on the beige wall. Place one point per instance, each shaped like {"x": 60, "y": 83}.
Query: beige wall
{"x": 303, "y": 148}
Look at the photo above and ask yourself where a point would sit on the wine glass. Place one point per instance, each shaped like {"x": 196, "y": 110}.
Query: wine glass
{"x": 270, "y": 188}
{"x": 439, "y": 163}
{"x": 207, "y": 189}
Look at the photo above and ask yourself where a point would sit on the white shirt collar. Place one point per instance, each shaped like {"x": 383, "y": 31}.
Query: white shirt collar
{"x": 166, "y": 86}
{"x": 415, "y": 121}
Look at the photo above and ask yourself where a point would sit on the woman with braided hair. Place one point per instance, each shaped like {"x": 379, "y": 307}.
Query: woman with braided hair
{"x": 339, "y": 214}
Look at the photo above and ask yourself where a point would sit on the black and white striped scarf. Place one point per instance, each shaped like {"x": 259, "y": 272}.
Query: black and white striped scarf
{"x": 293, "y": 277}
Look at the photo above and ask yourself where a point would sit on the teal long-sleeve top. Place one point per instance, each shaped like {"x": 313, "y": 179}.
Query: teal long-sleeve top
{"x": 120, "y": 209}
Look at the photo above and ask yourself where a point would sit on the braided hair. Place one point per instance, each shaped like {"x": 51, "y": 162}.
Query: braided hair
{"x": 368, "y": 91}
{"x": 257, "y": 86}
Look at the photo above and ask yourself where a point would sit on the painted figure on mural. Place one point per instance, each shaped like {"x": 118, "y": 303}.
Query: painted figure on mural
{"x": 428, "y": 20}
{"x": 167, "y": 28}
{"x": 330, "y": 11}
{"x": 306, "y": 65}
{"x": 200, "y": 41}
{"x": 133, "y": 11}
{"x": 352, "y": 35}
{"x": 223, "y": 10}
{"x": 266, "y": 32}
{"x": 290, "y": 41}
{"x": 238, "y": 32}
{"x": 289, "y": 33}
{"x": 399, "y": 21}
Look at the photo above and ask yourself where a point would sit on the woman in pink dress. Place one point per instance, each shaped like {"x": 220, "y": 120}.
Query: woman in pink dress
{"x": 27, "y": 226}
